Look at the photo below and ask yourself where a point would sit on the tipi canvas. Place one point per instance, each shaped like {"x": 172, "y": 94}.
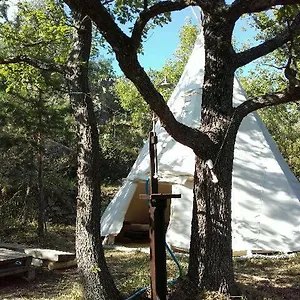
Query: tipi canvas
{"x": 265, "y": 193}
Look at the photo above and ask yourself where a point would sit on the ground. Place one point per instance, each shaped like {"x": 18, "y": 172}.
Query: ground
{"x": 259, "y": 278}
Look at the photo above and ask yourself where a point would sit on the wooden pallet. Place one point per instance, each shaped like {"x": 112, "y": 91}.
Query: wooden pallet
{"x": 13, "y": 262}
{"x": 53, "y": 259}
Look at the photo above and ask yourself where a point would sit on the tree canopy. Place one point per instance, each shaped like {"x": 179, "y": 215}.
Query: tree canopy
{"x": 269, "y": 76}
{"x": 54, "y": 56}
{"x": 214, "y": 140}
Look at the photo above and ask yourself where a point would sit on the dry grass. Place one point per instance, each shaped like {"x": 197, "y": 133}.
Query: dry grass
{"x": 268, "y": 278}
{"x": 263, "y": 279}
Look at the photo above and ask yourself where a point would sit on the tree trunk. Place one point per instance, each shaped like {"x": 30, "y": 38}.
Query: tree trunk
{"x": 97, "y": 281}
{"x": 40, "y": 160}
{"x": 27, "y": 203}
{"x": 210, "y": 265}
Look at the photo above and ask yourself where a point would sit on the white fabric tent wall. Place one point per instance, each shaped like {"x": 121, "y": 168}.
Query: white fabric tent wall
{"x": 265, "y": 193}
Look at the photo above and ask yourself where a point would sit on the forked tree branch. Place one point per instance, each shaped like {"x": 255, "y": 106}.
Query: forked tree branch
{"x": 126, "y": 55}
{"x": 162, "y": 7}
{"x": 159, "y": 8}
{"x": 39, "y": 64}
{"x": 287, "y": 95}
{"x": 268, "y": 46}
{"x": 182, "y": 133}
{"x": 240, "y": 7}
{"x": 104, "y": 22}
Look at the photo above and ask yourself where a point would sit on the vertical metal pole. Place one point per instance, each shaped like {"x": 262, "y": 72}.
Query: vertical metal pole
{"x": 157, "y": 231}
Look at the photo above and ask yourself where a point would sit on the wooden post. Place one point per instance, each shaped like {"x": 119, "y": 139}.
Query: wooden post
{"x": 157, "y": 231}
{"x": 157, "y": 250}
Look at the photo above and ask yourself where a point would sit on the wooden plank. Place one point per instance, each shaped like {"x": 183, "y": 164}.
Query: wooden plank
{"x": 239, "y": 253}
{"x": 52, "y": 255}
{"x": 45, "y": 254}
{"x": 8, "y": 256}
{"x": 62, "y": 265}
{"x": 29, "y": 272}
{"x": 262, "y": 252}
{"x": 266, "y": 252}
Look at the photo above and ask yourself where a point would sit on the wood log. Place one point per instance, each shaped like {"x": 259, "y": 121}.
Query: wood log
{"x": 62, "y": 265}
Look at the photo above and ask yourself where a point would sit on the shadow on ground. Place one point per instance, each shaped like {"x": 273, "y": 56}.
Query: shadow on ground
{"x": 47, "y": 284}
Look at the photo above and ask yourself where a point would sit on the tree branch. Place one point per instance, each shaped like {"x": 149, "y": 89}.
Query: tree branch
{"x": 268, "y": 46}
{"x": 287, "y": 95}
{"x": 42, "y": 65}
{"x": 240, "y": 7}
{"x": 104, "y": 22}
{"x": 153, "y": 11}
{"x": 127, "y": 57}
{"x": 180, "y": 132}
{"x": 112, "y": 32}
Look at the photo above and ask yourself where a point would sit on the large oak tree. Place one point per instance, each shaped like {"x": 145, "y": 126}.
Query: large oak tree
{"x": 98, "y": 283}
{"x": 210, "y": 265}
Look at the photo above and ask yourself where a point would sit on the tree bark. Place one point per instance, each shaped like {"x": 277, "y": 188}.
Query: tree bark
{"x": 97, "y": 281}
{"x": 210, "y": 263}
{"x": 41, "y": 195}
{"x": 40, "y": 160}
{"x": 26, "y": 202}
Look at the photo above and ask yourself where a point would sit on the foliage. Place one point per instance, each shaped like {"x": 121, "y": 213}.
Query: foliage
{"x": 127, "y": 11}
{"x": 39, "y": 30}
{"x": 24, "y": 88}
{"x": 120, "y": 140}
{"x": 283, "y": 123}
{"x": 35, "y": 117}
{"x": 18, "y": 154}
{"x": 121, "y": 144}
{"x": 268, "y": 76}
{"x": 133, "y": 104}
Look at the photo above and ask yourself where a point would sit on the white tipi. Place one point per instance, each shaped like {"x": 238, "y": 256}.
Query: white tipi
{"x": 265, "y": 193}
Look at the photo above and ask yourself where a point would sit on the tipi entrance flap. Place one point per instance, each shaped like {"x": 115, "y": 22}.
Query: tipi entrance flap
{"x": 138, "y": 210}
{"x": 113, "y": 216}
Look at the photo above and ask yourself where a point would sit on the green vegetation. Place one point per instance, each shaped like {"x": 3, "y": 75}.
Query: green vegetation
{"x": 269, "y": 75}
{"x": 38, "y": 146}
{"x": 258, "y": 278}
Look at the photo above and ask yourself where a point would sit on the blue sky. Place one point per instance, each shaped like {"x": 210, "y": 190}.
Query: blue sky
{"x": 162, "y": 42}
